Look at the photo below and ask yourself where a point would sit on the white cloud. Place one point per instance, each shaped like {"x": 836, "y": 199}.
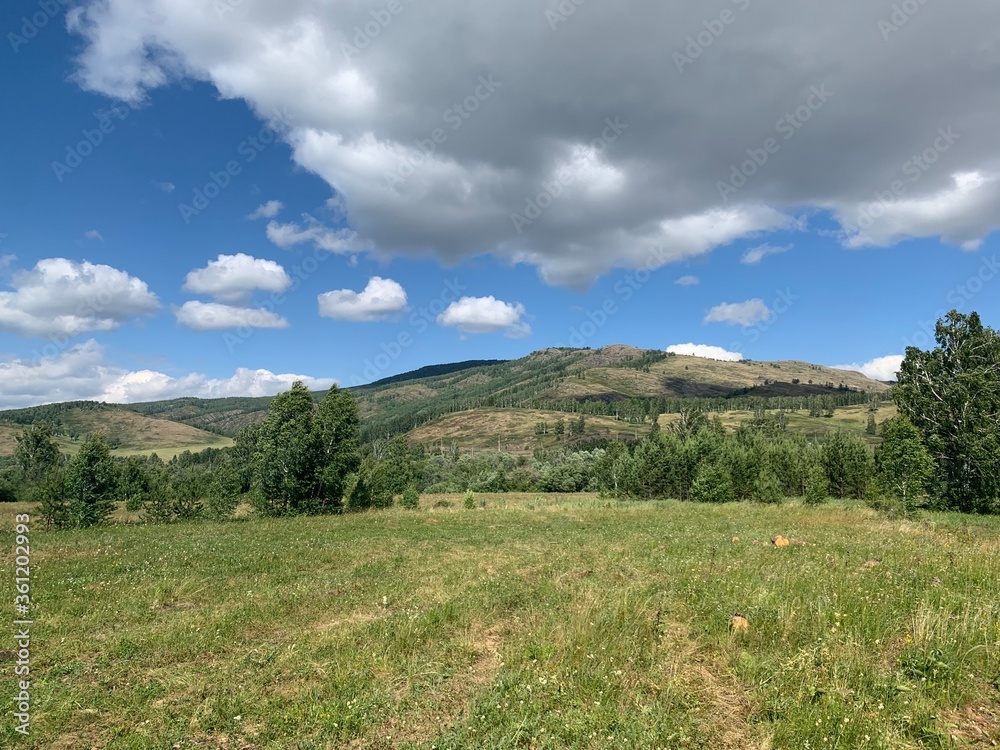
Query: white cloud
{"x": 93, "y": 234}
{"x": 705, "y": 351}
{"x": 233, "y": 278}
{"x": 6, "y": 261}
{"x": 213, "y": 316}
{"x": 880, "y": 368}
{"x": 322, "y": 237}
{"x": 81, "y": 373}
{"x": 744, "y": 314}
{"x": 485, "y": 315}
{"x": 961, "y": 213}
{"x": 688, "y": 281}
{"x": 64, "y": 297}
{"x": 267, "y": 210}
{"x": 148, "y": 385}
{"x": 359, "y": 115}
{"x": 381, "y": 299}
{"x": 166, "y": 187}
{"x": 755, "y": 255}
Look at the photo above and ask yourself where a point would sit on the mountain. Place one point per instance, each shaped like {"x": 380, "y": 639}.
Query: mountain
{"x": 613, "y": 386}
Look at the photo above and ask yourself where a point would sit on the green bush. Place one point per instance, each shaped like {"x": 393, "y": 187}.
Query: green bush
{"x": 410, "y": 498}
{"x": 470, "y": 500}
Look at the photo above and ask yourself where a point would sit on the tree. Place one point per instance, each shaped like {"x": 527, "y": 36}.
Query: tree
{"x": 53, "y": 503}
{"x": 872, "y": 428}
{"x": 904, "y": 467}
{"x": 817, "y": 487}
{"x": 36, "y": 452}
{"x": 91, "y": 483}
{"x": 712, "y": 485}
{"x": 133, "y": 483}
{"x": 288, "y": 456}
{"x": 614, "y": 468}
{"x": 767, "y": 488}
{"x": 339, "y": 426}
{"x": 952, "y": 396}
{"x": 847, "y": 464}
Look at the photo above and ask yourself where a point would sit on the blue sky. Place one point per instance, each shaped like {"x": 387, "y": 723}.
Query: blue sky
{"x": 96, "y": 252}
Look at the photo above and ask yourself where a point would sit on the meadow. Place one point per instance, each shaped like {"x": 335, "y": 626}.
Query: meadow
{"x": 539, "y": 621}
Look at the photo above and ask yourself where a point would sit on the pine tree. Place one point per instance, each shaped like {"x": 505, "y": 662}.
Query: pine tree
{"x": 91, "y": 483}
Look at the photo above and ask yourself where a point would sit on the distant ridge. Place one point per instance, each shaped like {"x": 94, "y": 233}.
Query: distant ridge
{"x": 434, "y": 370}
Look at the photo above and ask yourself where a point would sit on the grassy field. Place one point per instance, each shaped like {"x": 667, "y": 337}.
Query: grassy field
{"x": 537, "y": 622}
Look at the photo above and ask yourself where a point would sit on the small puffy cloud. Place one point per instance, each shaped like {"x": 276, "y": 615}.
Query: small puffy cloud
{"x": 213, "y": 316}
{"x": 6, "y": 261}
{"x": 688, "y": 281}
{"x": 705, "y": 351}
{"x": 381, "y": 299}
{"x": 82, "y": 373}
{"x": 880, "y": 368}
{"x": 93, "y": 234}
{"x": 744, "y": 314}
{"x": 755, "y": 255}
{"x": 266, "y": 210}
{"x": 63, "y": 297}
{"x": 232, "y": 278}
{"x": 322, "y": 237}
{"x": 166, "y": 187}
{"x": 485, "y": 315}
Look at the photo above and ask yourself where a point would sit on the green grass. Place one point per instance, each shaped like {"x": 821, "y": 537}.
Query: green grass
{"x": 548, "y": 621}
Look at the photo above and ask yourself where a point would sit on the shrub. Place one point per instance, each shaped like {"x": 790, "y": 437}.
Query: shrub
{"x": 470, "y": 500}
{"x": 410, "y": 498}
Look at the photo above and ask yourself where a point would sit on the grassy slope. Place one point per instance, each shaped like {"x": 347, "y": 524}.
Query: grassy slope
{"x": 682, "y": 377}
{"x": 480, "y": 428}
{"x": 553, "y": 622}
{"x": 137, "y": 433}
{"x": 515, "y": 429}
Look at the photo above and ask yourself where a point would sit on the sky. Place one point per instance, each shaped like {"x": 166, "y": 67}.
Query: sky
{"x": 218, "y": 197}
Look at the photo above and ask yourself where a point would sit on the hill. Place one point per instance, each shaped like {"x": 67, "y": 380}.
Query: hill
{"x": 127, "y": 431}
{"x": 621, "y": 382}
{"x": 613, "y": 385}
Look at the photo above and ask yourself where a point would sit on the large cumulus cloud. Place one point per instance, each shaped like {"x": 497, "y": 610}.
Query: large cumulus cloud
{"x": 435, "y": 122}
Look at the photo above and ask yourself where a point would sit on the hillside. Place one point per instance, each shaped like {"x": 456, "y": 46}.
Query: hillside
{"x": 613, "y": 385}
{"x": 126, "y": 431}
{"x": 617, "y": 381}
